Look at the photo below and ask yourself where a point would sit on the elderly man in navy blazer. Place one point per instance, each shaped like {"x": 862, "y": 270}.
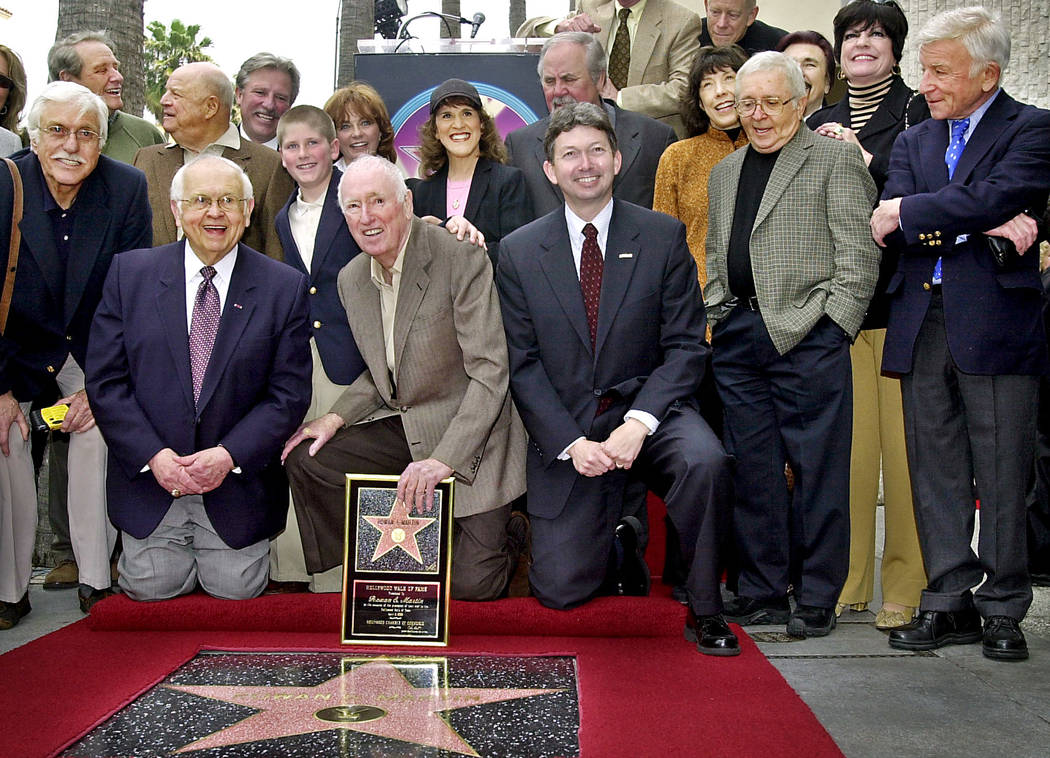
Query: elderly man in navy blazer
{"x": 198, "y": 371}
{"x": 80, "y": 209}
{"x": 605, "y": 327}
{"x": 965, "y": 329}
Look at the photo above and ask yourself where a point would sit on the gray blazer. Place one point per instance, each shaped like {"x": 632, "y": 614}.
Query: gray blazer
{"x": 452, "y": 377}
{"x": 811, "y": 248}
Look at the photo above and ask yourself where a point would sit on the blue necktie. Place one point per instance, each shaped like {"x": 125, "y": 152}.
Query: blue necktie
{"x": 951, "y": 160}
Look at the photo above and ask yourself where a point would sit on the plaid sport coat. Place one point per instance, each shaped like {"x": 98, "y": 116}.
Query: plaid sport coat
{"x": 811, "y": 248}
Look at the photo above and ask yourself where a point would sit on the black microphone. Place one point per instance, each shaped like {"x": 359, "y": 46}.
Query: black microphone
{"x": 475, "y": 23}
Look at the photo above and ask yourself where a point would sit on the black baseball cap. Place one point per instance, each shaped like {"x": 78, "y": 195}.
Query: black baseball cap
{"x": 454, "y": 88}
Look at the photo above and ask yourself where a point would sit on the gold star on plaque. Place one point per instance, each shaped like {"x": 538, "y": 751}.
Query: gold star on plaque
{"x": 373, "y": 698}
{"x": 398, "y": 530}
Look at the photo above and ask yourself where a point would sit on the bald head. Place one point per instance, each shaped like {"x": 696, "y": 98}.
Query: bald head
{"x": 196, "y": 105}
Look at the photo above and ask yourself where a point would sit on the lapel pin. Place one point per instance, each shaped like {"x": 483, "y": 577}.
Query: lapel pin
{"x": 626, "y": 255}
{"x": 238, "y": 306}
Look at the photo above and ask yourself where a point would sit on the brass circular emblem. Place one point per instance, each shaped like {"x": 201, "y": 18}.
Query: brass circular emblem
{"x": 398, "y": 535}
{"x": 350, "y": 714}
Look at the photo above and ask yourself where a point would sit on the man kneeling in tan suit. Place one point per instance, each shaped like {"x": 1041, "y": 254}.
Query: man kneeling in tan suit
{"x": 433, "y": 401}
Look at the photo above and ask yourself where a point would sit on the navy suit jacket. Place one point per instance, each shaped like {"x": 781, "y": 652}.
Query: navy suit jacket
{"x": 650, "y": 348}
{"x": 255, "y": 390}
{"x": 497, "y": 204}
{"x": 641, "y": 141}
{"x": 52, "y": 308}
{"x": 333, "y": 249}
{"x": 992, "y": 316}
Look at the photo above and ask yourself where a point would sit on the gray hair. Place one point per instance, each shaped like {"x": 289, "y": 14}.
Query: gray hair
{"x": 260, "y": 61}
{"x": 982, "y": 33}
{"x": 214, "y": 82}
{"x": 365, "y": 162}
{"x": 568, "y": 117}
{"x": 69, "y": 93}
{"x": 772, "y": 61}
{"x": 594, "y": 53}
{"x": 63, "y": 55}
{"x": 179, "y": 180}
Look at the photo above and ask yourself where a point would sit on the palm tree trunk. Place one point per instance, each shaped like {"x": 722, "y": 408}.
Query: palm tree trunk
{"x": 356, "y": 21}
{"x": 516, "y": 13}
{"x": 122, "y": 19}
{"x": 452, "y": 8}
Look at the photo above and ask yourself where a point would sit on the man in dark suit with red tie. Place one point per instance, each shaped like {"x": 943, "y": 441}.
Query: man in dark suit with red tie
{"x": 965, "y": 329}
{"x": 198, "y": 371}
{"x": 605, "y": 327}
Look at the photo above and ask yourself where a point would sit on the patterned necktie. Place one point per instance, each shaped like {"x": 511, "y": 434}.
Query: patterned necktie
{"x": 204, "y": 325}
{"x": 620, "y": 56}
{"x": 591, "y": 267}
{"x": 951, "y": 159}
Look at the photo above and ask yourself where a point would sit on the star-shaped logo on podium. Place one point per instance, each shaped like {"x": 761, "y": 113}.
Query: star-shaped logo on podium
{"x": 398, "y": 530}
{"x": 373, "y": 698}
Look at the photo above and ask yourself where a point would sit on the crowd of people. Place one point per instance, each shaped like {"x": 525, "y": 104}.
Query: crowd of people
{"x": 694, "y": 277}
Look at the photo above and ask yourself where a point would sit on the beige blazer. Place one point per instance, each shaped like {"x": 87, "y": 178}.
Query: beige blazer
{"x": 452, "y": 366}
{"x": 271, "y": 185}
{"x": 662, "y": 53}
{"x": 811, "y": 248}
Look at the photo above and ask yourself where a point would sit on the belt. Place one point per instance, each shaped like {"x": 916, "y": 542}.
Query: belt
{"x": 749, "y": 303}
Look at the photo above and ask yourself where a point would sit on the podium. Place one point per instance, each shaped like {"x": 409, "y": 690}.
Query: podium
{"x": 405, "y": 72}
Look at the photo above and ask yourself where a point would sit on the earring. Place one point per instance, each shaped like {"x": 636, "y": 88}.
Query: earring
{"x": 841, "y": 74}
{"x": 896, "y": 70}
{"x": 3, "y": 111}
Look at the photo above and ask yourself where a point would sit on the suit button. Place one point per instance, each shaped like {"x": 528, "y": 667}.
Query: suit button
{"x": 50, "y": 369}
{"x": 937, "y": 234}
{"x": 598, "y": 393}
{"x": 313, "y": 290}
{"x": 317, "y": 325}
{"x": 926, "y": 286}
{"x": 69, "y": 338}
{"x": 938, "y": 242}
{"x": 922, "y": 237}
{"x": 404, "y": 408}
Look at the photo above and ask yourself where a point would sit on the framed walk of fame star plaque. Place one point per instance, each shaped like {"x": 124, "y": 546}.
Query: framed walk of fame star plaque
{"x": 397, "y": 564}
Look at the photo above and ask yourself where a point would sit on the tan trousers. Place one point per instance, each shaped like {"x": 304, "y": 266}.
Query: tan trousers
{"x": 90, "y": 531}
{"x": 878, "y": 437}
{"x": 286, "y": 551}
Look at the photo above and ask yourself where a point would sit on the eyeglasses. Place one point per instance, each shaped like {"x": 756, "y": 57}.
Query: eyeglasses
{"x": 771, "y": 106}
{"x": 226, "y": 203}
{"x": 6, "y": 82}
{"x": 60, "y": 133}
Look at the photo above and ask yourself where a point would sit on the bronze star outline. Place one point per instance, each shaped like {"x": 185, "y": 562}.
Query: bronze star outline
{"x": 399, "y": 530}
{"x": 409, "y": 710}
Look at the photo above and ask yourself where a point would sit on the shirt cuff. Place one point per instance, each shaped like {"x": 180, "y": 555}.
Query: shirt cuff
{"x": 648, "y": 419}
{"x": 565, "y": 453}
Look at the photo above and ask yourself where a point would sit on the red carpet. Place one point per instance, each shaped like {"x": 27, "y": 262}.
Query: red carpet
{"x": 644, "y": 691}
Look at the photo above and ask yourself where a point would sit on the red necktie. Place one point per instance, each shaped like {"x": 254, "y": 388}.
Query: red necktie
{"x": 591, "y": 266}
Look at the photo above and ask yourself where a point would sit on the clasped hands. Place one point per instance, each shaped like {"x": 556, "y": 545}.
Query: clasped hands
{"x": 192, "y": 474}
{"x": 1022, "y": 230}
{"x": 619, "y": 451}
{"x": 79, "y": 417}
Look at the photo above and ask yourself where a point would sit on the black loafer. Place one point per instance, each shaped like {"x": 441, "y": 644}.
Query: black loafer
{"x": 811, "y": 621}
{"x": 88, "y": 596}
{"x": 1003, "y": 640}
{"x": 711, "y": 635}
{"x": 934, "y": 629}
{"x": 12, "y": 613}
{"x": 632, "y": 573}
{"x": 743, "y": 610}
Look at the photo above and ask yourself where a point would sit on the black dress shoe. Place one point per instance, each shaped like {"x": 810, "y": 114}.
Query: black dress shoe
{"x": 632, "y": 573}
{"x": 711, "y": 635}
{"x": 811, "y": 621}
{"x": 743, "y": 610}
{"x": 1003, "y": 640}
{"x": 274, "y": 587}
{"x": 88, "y": 596}
{"x": 12, "y": 613}
{"x": 934, "y": 629}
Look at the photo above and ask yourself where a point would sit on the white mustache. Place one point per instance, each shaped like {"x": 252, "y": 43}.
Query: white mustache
{"x": 558, "y": 102}
{"x": 62, "y": 155}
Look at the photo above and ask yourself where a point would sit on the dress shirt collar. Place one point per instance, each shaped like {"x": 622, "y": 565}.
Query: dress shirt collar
{"x": 231, "y": 138}
{"x": 395, "y": 270}
{"x": 303, "y": 206}
{"x": 272, "y": 144}
{"x": 575, "y": 226}
{"x": 223, "y": 268}
{"x": 976, "y": 116}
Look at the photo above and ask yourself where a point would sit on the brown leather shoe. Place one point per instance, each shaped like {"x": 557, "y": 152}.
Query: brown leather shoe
{"x": 12, "y": 613}
{"x": 64, "y": 576}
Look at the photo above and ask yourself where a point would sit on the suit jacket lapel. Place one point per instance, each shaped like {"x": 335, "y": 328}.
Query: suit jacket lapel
{"x": 171, "y": 311}
{"x": 328, "y": 228}
{"x": 541, "y": 158}
{"x": 890, "y": 112}
{"x": 283, "y": 224}
{"x": 629, "y": 142}
{"x": 934, "y": 146}
{"x": 90, "y": 225}
{"x": 479, "y": 185}
{"x": 557, "y": 263}
{"x": 37, "y": 234}
{"x": 437, "y": 188}
{"x": 791, "y": 158}
{"x": 236, "y": 314}
{"x": 991, "y": 125}
{"x": 414, "y": 282}
{"x": 364, "y": 307}
{"x": 169, "y": 163}
{"x": 617, "y": 272}
{"x": 647, "y": 35}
